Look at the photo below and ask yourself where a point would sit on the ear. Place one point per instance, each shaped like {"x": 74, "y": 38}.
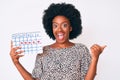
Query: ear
{"x": 70, "y": 28}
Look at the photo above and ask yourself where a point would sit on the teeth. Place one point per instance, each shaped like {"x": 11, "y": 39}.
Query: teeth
{"x": 60, "y": 36}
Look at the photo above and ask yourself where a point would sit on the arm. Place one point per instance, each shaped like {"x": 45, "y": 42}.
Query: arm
{"x": 25, "y": 74}
{"x": 96, "y": 50}
{"x": 15, "y": 58}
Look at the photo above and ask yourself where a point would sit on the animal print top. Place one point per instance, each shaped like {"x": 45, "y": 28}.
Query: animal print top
{"x": 62, "y": 64}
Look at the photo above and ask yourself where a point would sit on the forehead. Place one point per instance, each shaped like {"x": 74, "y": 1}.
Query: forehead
{"x": 60, "y": 19}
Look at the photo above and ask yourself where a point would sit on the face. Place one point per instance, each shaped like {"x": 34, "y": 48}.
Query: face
{"x": 61, "y": 29}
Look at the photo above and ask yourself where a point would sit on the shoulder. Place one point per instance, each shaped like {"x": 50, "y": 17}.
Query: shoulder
{"x": 80, "y": 45}
{"x": 45, "y": 48}
{"x": 82, "y": 48}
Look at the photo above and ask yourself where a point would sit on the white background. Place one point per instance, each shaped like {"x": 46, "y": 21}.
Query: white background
{"x": 101, "y": 22}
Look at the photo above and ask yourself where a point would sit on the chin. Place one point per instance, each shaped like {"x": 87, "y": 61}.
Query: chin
{"x": 61, "y": 41}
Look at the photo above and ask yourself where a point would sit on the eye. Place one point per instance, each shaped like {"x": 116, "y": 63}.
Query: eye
{"x": 54, "y": 25}
{"x": 65, "y": 25}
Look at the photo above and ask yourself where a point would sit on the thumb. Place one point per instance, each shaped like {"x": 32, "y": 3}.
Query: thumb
{"x": 103, "y": 47}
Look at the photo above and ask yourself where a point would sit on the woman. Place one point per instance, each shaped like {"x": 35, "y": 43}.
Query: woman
{"x": 62, "y": 60}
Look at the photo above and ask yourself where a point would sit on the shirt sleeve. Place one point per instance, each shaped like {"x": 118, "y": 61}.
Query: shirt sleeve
{"x": 37, "y": 71}
{"x": 85, "y": 62}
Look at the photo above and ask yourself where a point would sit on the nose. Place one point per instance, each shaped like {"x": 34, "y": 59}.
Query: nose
{"x": 60, "y": 28}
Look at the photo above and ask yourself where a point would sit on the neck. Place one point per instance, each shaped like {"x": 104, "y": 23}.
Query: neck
{"x": 62, "y": 45}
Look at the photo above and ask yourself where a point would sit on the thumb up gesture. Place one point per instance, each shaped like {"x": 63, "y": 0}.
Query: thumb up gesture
{"x": 96, "y": 50}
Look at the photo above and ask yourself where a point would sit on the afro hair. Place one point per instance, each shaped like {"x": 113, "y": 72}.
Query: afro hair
{"x": 67, "y": 10}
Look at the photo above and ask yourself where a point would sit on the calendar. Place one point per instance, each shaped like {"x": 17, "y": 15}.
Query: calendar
{"x": 31, "y": 42}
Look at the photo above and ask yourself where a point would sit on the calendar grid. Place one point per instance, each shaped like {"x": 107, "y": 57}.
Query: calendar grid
{"x": 31, "y": 42}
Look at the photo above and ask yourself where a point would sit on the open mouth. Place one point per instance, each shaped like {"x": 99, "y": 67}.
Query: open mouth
{"x": 60, "y": 36}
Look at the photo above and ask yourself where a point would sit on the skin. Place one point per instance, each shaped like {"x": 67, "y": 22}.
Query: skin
{"x": 61, "y": 26}
{"x": 61, "y": 29}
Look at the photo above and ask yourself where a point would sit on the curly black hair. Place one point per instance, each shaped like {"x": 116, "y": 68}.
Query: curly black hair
{"x": 67, "y": 10}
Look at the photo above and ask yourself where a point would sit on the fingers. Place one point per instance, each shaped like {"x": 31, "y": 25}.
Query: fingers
{"x": 18, "y": 56}
{"x": 15, "y": 50}
{"x": 18, "y": 52}
{"x": 15, "y": 53}
{"x": 97, "y": 48}
{"x": 15, "y": 58}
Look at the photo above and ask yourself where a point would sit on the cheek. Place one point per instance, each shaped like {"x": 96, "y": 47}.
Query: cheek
{"x": 54, "y": 31}
{"x": 68, "y": 30}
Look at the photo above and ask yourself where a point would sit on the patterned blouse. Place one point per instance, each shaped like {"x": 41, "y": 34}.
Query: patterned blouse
{"x": 62, "y": 64}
